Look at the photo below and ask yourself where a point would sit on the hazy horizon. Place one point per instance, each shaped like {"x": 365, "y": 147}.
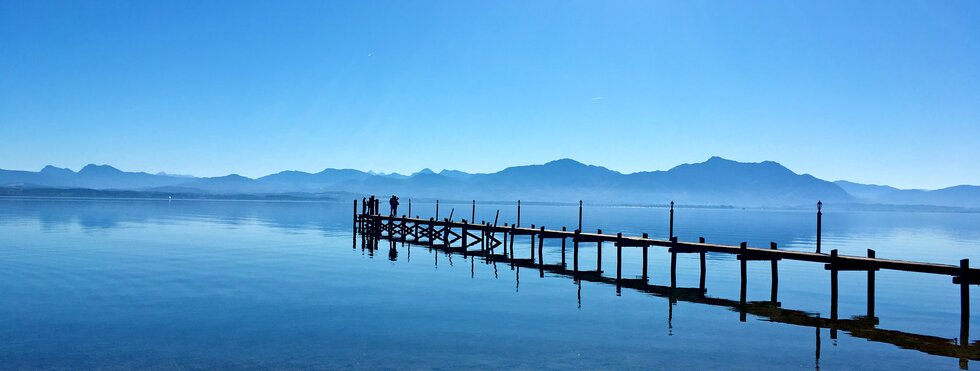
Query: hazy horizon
{"x": 371, "y": 171}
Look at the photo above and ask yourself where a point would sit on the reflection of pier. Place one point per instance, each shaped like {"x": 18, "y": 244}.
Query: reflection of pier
{"x": 496, "y": 244}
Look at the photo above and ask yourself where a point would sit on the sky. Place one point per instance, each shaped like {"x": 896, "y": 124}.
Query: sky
{"x": 884, "y": 92}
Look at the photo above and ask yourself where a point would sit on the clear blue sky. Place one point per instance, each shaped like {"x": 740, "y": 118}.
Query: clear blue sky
{"x": 878, "y": 92}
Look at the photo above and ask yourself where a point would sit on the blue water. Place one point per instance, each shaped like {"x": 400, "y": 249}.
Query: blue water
{"x": 209, "y": 284}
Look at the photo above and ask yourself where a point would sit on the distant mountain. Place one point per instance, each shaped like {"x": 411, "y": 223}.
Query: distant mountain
{"x": 717, "y": 181}
{"x": 298, "y": 181}
{"x": 959, "y": 196}
{"x": 91, "y": 176}
{"x": 866, "y": 192}
{"x": 425, "y": 171}
{"x": 455, "y": 174}
{"x": 967, "y": 196}
{"x": 722, "y": 181}
{"x": 233, "y": 183}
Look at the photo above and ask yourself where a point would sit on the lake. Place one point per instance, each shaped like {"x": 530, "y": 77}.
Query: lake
{"x": 228, "y": 284}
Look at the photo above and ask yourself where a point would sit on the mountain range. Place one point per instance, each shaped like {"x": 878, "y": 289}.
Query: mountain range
{"x": 716, "y": 181}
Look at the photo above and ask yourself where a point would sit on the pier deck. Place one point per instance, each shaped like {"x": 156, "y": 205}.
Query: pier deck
{"x": 481, "y": 240}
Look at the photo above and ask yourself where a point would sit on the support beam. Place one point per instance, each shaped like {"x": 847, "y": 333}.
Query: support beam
{"x": 532, "y": 243}
{"x": 833, "y": 284}
{"x": 701, "y": 255}
{"x": 541, "y": 247}
{"x": 512, "y": 256}
{"x": 598, "y": 259}
{"x": 575, "y": 250}
{"x": 774, "y": 291}
{"x": 965, "y": 303}
{"x": 563, "y": 248}
{"x": 743, "y": 262}
{"x": 619, "y": 257}
{"x": 871, "y": 288}
{"x": 504, "y": 241}
{"x": 673, "y": 270}
{"x": 645, "y": 253}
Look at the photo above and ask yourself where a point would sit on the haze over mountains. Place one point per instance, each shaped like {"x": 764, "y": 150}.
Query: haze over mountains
{"x": 716, "y": 181}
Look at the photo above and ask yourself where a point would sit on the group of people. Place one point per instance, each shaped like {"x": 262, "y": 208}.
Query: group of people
{"x": 372, "y": 205}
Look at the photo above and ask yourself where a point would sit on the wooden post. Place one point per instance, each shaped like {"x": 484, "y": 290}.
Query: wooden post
{"x": 437, "y": 209}
{"x": 580, "y": 215}
{"x": 833, "y": 284}
{"x": 871, "y": 287}
{"x": 965, "y": 302}
{"x": 598, "y": 260}
{"x": 645, "y": 249}
{"x": 416, "y": 228}
{"x": 703, "y": 264}
{"x": 465, "y": 230}
{"x": 445, "y": 237}
{"x": 518, "y": 213}
{"x": 410, "y": 208}
{"x": 431, "y": 231}
{"x": 619, "y": 256}
{"x": 563, "y": 248}
{"x": 473, "y": 212}
{"x": 575, "y": 249}
{"x": 819, "y": 221}
{"x": 355, "y": 217}
{"x": 818, "y": 343}
{"x": 541, "y": 247}
{"x": 673, "y": 265}
{"x": 512, "y": 256}
{"x": 743, "y": 247}
{"x": 486, "y": 238}
{"x": 532, "y": 243}
{"x": 774, "y": 292}
{"x": 671, "y": 219}
{"x": 504, "y": 241}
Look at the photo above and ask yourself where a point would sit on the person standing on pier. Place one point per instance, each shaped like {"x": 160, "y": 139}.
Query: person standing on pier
{"x": 371, "y": 205}
{"x": 393, "y": 202}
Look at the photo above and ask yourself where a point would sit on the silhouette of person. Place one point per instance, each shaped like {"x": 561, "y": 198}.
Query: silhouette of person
{"x": 393, "y": 202}
{"x": 372, "y": 202}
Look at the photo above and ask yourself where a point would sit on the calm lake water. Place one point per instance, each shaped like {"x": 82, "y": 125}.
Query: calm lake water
{"x": 206, "y": 284}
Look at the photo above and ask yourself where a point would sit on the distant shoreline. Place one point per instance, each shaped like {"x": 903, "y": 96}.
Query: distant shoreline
{"x": 337, "y": 199}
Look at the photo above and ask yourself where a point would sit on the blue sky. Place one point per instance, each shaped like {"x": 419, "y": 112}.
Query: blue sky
{"x": 878, "y": 92}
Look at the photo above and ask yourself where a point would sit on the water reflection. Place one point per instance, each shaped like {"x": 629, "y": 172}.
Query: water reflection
{"x": 93, "y": 215}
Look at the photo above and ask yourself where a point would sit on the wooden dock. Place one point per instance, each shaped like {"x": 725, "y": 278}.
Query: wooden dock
{"x": 496, "y": 243}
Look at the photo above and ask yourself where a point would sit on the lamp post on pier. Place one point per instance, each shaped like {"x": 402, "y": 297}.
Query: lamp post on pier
{"x": 819, "y": 217}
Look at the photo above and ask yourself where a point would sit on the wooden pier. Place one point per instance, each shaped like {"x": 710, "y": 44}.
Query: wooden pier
{"x": 495, "y": 243}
